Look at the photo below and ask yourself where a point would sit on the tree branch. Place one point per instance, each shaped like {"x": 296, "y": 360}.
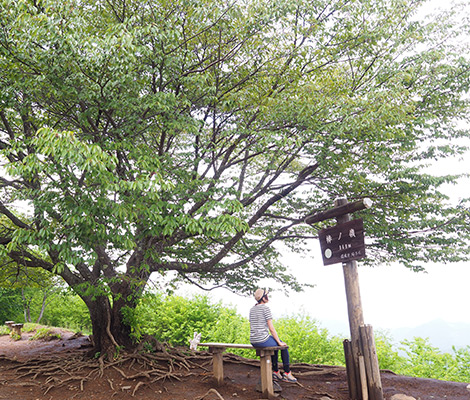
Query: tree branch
{"x": 13, "y": 218}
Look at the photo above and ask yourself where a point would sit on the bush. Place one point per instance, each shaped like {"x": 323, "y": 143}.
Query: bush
{"x": 4, "y": 330}
{"x": 45, "y": 333}
{"x": 461, "y": 371}
{"x": 425, "y": 361}
{"x": 174, "y": 319}
{"x": 308, "y": 342}
{"x": 67, "y": 310}
{"x": 231, "y": 327}
{"x": 389, "y": 358}
{"x": 11, "y": 305}
{"x": 30, "y": 327}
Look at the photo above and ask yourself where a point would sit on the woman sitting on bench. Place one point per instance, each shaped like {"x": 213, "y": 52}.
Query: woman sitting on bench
{"x": 263, "y": 334}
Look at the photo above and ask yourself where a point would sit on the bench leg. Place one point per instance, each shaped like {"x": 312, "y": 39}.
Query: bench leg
{"x": 218, "y": 366}
{"x": 266, "y": 374}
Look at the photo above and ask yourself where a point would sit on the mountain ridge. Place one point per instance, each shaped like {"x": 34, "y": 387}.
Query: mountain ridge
{"x": 441, "y": 333}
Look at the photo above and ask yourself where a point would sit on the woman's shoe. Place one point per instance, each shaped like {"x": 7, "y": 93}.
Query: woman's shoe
{"x": 288, "y": 377}
{"x": 278, "y": 376}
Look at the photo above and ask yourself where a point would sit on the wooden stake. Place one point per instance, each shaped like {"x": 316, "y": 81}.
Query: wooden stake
{"x": 363, "y": 377}
{"x": 354, "y": 392}
{"x": 374, "y": 382}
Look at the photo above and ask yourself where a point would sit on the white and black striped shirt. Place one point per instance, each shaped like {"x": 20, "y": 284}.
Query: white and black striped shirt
{"x": 260, "y": 314}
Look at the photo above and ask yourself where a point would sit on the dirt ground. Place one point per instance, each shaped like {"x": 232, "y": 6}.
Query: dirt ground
{"x": 60, "y": 370}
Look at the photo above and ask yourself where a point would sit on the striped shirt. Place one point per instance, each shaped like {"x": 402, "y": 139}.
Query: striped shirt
{"x": 260, "y": 314}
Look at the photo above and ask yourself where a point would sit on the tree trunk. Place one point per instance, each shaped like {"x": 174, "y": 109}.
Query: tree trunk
{"x": 103, "y": 340}
{"x": 119, "y": 327}
{"x": 110, "y": 332}
{"x": 26, "y": 308}
{"x": 111, "y": 329}
{"x": 43, "y": 307}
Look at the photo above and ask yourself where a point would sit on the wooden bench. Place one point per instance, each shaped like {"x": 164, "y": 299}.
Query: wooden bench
{"x": 264, "y": 354}
{"x": 16, "y": 328}
{"x": 9, "y": 324}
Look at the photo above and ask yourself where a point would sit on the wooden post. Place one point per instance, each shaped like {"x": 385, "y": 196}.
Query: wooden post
{"x": 362, "y": 369}
{"x": 16, "y": 330}
{"x": 363, "y": 377}
{"x": 374, "y": 382}
{"x": 266, "y": 372}
{"x": 218, "y": 364}
{"x": 350, "y": 371}
{"x": 353, "y": 297}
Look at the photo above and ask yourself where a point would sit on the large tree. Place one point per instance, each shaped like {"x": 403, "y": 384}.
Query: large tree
{"x": 187, "y": 138}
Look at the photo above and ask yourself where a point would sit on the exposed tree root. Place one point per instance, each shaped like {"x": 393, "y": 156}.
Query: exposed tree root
{"x": 55, "y": 373}
{"x": 133, "y": 371}
{"x": 209, "y": 392}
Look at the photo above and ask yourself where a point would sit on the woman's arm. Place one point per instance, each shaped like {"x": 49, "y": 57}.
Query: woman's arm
{"x": 274, "y": 333}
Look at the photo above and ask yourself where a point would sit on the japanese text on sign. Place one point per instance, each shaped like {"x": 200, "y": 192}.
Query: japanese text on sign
{"x": 342, "y": 243}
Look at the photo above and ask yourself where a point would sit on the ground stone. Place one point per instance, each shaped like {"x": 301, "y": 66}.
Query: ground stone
{"x": 401, "y": 397}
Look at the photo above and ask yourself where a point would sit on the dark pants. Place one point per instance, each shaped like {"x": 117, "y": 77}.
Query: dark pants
{"x": 270, "y": 342}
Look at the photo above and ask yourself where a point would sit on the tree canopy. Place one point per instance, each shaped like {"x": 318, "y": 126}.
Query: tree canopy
{"x": 190, "y": 137}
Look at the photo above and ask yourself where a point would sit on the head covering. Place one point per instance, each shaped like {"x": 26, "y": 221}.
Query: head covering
{"x": 260, "y": 293}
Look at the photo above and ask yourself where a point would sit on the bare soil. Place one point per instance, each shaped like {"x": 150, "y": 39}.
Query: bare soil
{"x": 60, "y": 369}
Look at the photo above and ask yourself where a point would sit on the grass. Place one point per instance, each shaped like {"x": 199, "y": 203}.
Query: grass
{"x": 45, "y": 333}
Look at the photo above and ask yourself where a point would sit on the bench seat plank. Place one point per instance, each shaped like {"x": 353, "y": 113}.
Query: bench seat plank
{"x": 228, "y": 345}
{"x": 241, "y": 346}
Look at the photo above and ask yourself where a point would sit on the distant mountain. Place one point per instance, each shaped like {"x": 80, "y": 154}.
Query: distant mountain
{"x": 441, "y": 334}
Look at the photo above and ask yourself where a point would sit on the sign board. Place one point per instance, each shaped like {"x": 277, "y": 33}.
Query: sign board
{"x": 343, "y": 242}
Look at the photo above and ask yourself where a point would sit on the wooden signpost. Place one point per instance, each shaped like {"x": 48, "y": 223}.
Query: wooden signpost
{"x": 344, "y": 243}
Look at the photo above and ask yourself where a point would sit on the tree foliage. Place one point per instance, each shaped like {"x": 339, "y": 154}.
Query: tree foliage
{"x": 187, "y": 138}
{"x": 10, "y": 305}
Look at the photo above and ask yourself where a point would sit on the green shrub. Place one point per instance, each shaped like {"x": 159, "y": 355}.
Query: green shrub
{"x": 174, "y": 319}
{"x": 426, "y": 361}
{"x": 389, "y": 358}
{"x": 45, "y": 333}
{"x": 30, "y": 327}
{"x": 11, "y": 305}
{"x": 68, "y": 310}
{"x": 4, "y": 330}
{"x": 461, "y": 370}
{"x": 308, "y": 342}
{"x": 231, "y": 327}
